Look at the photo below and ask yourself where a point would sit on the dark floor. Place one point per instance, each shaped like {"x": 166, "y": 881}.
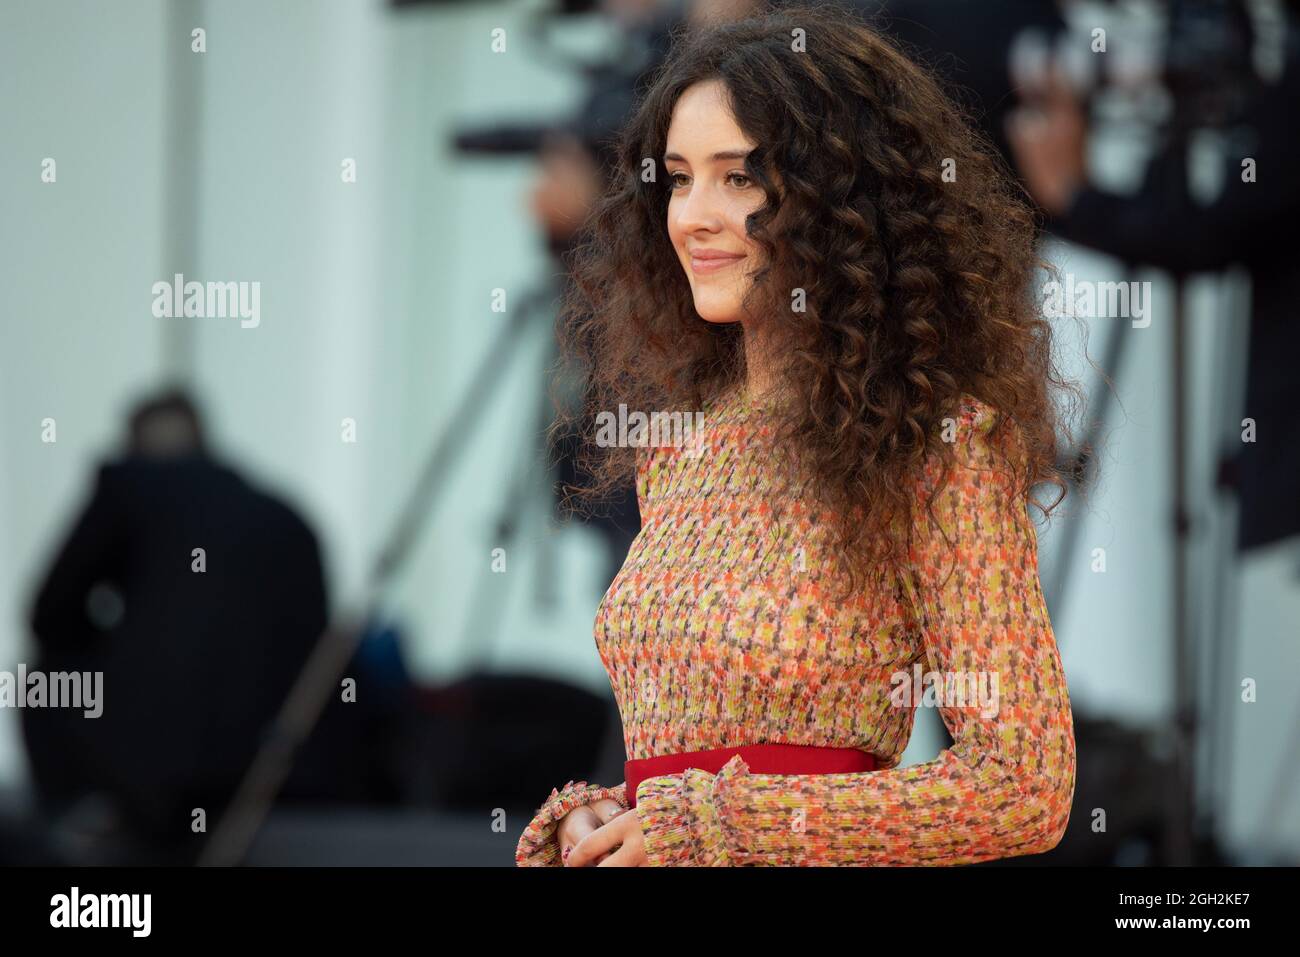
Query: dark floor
{"x": 291, "y": 837}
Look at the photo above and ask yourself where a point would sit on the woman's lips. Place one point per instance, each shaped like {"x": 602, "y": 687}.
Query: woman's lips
{"x": 713, "y": 263}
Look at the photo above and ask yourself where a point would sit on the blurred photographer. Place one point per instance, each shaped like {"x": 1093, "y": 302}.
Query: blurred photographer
{"x": 1211, "y": 81}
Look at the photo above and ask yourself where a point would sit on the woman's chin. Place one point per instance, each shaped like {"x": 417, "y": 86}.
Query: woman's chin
{"x": 717, "y": 316}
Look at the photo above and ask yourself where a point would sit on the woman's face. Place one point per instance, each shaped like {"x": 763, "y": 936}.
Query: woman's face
{"x": 710, "y": 197}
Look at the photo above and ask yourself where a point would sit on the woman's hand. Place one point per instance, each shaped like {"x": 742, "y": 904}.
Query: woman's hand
{"x": 581, "y": 821}
{"x": 618, "y": 843}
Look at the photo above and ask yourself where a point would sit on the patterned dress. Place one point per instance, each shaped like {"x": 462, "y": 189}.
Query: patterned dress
{"x": 722, "y": 630}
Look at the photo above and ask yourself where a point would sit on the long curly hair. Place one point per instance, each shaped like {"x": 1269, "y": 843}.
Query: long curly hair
{"x": 914, "y": 247}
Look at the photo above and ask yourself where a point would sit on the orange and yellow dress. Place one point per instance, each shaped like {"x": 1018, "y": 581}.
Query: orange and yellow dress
{"x": 720, "y": 630}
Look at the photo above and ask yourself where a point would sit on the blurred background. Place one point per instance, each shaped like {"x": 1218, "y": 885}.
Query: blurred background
{"x": 359, "y": 445}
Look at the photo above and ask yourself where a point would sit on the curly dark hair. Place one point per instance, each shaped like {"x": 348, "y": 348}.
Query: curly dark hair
{"x": 918, "y": 287}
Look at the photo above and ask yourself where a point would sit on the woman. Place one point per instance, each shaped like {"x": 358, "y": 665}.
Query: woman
{"x": 807, "y": 243}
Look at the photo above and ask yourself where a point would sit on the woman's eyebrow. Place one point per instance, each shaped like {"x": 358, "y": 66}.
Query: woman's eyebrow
{"x": 723, "y": 155}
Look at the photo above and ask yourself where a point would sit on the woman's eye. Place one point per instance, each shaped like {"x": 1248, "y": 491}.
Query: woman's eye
{"x": 739, "y": 180}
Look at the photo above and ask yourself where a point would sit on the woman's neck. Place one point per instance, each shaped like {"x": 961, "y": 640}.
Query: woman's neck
{"x": 760, "y": 371}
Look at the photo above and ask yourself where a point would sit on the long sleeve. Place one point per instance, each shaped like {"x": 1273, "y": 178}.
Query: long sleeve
{"x": 1005, "y": 786}
{"x": 537, "y": 846}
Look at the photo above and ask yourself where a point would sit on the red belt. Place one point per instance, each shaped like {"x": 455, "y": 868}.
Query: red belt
{"x": 761, "y": 758}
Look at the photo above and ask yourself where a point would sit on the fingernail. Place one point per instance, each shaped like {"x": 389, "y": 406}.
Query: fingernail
{"x": 565, "y": 856}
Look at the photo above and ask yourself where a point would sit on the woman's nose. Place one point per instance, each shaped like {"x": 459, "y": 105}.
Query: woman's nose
{"x": 699, "y": 210}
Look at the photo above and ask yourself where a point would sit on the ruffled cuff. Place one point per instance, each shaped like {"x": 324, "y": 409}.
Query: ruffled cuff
{"x": 681, "y": 817}
{"x": 537, "y": 846}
